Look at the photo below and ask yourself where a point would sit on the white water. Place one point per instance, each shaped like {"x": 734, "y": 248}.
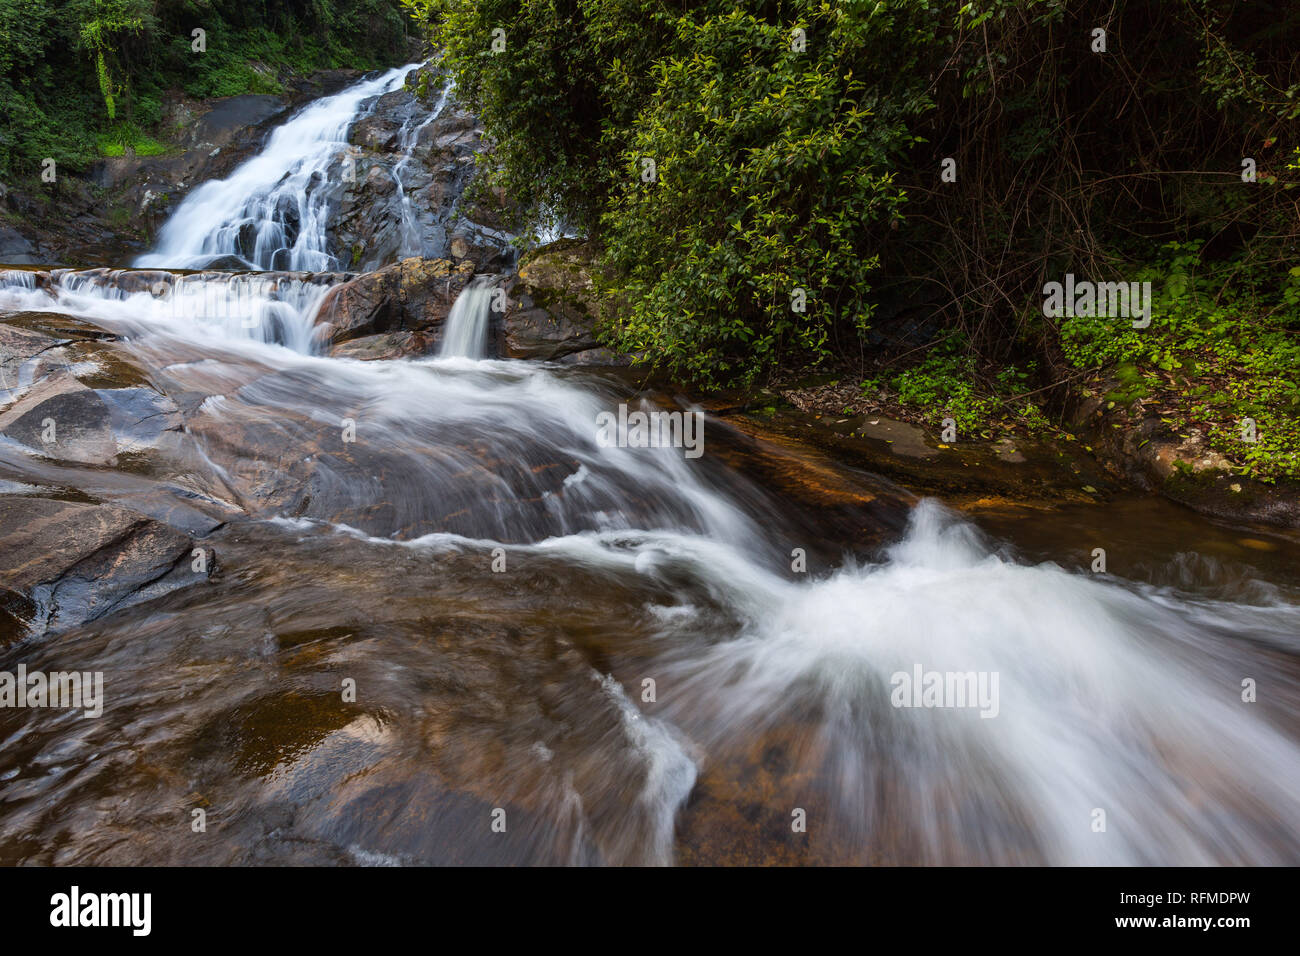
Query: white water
{"x": 273, "y": 211}
{"x": 1109, "y": 699}
{"x": 214, "y": 307}
{"x": 465, "y": 332}
{"x": 1112, "y": 696}
{"x": 408, "y": 138}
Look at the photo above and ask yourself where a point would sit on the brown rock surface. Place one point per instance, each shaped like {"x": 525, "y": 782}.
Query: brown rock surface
{"x": 63, "y": 563}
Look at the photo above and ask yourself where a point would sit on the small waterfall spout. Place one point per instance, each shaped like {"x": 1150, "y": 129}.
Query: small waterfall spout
{"x": 465, "y": 335}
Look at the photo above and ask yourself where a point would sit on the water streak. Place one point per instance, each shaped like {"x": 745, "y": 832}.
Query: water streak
{"x": 273, "y": 211}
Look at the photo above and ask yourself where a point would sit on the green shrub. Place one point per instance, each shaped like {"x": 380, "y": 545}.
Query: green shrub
{"x": 1223, "y": 346}
{"x": 75, "y": 73}
{"x": 781, "y": 167}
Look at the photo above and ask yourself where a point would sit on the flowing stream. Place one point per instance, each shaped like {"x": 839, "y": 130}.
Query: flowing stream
{"x": 609, "y": 645}
{"x": 272, "y": 212}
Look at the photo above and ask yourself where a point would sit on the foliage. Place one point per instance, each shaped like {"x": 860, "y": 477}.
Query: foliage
{"x": 817, "y": 167}
{"x": 789, "y": 153}
{"x": 947, "y": 384}
{"x": 81, "y": 77}
{"x": 1223, "y": 346}
{"x": 123, "y": 136}
{"x": 106, "y": 23}
{"x": 769, "y": 131}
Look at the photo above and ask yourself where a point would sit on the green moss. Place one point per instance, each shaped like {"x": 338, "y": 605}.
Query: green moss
{"x": 121, "y": 137}
{"x": 1221, "y": 354}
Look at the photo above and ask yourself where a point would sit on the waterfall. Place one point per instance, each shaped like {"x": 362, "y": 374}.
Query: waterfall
{"x": 273, "y": 211}
{"x": 408, "y": 139}
{"x": 274, "y": 309}
{"x": 465, "y": 332}
{"x": 1109, "y": 695}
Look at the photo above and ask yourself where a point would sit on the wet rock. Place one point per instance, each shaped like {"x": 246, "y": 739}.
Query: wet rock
{"x": 970, "y": 473}
{"x": 229, "y": 264}
{"x": 231, "y": 116}
{"x": 433, "y": 162}
{"x": 386, "y": 345}
{"x": 321, "y": 83}
{"x": 15, "y": 248}
{"x": 551, "y": 309}
{"x": 412, "y": 295}
{"x": 532, "y": 332}
{"x": 489, "y": 249}
{"x": 56, "y": 325}
{"x": 1007, "y": 451}
{"x": 62, "y": 419}
{"x": 835, "y": 500}
{"x": 1138, "y": 446}
{"x": 596, "y": 358}
{"x": 902, "y": 438}
{"x": 139, "y": 416}
{"x": 379, "y": 182}
{"x": 380, "y": 130}
{"x": 18, "y": 346}
{"x": 64, "y": 563}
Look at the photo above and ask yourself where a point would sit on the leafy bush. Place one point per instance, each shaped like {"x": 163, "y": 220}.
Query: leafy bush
{"x": 789, "y": 153}
{"x": 1223, "y": 346}
{"x": 781, "y": 166}
{"x": 78, "y": 75}
{"x": 752, "y": 234}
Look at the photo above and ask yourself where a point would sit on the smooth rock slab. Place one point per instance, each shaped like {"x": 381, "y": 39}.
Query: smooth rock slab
{"x": 63, "y": 563}
{"x": 76, "y": 417}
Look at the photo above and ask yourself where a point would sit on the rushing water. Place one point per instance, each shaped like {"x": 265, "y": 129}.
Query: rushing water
{"x": 413, "y": 243}
{"x": 467, "y": 324}
{"x": 272, "y": 212}
{"x": 609, "y": 644}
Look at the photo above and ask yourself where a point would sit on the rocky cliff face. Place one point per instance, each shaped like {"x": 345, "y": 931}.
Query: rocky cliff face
{"x": 411, "y": 161}
{"x": 399, "y": 184}
{"x": 110, "y": 213}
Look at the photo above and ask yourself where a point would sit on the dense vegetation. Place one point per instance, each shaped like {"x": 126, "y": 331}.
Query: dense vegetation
{"x": 80, "y": 78}
{"x": 764, "y": 179}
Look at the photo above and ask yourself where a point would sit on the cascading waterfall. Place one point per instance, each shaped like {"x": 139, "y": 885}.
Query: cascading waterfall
{"x": 273, "y": 211}
{"x": 408, "y": 138}
{"x": 465, "y": 332}
{"x": 1112, "y": 695}
{"x": 274, "y": 309}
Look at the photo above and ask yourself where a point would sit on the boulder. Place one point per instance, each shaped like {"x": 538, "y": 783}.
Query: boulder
{"x": 489, "y": 249}
{"x": 63, "y": 563}
{"x": 596, "y": 358}
{"x": 15, "y": 248}
{"x": 412, "y": 295}
{"x": 552, "y": 310}
{"x": 386, "y": 345}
